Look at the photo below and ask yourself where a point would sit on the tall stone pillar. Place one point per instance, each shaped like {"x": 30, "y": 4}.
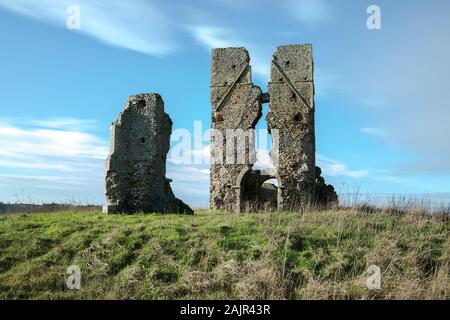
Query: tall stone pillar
{"x": 236, "y": 108}
{"x": 291, "y": 112}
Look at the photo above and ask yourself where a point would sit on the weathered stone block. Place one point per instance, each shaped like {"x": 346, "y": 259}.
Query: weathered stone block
{"x": 226, "y": 66}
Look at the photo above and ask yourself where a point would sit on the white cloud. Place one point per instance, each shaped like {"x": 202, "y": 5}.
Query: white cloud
{"x": 133, "y": 24}
{"x": 158, "y": 29}
{"x": 50, "y": 149}
{"x": 212, "y": 37}
{"x": 53, "y": 179}
{"x": 331, "y": 167}
{"x": 40, "y": 155}
{"x": 64, "y": 123}
{"x": 36, "y": 158}
{"x": 19, "y": 143}
{"x": 29, "y": 164}
{"x": 188, "y": 173}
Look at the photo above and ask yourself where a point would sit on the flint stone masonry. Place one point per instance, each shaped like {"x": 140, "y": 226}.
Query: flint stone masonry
{"x": 236, "y": 105}
{"x": 136, "y": 165}
{"x": 291, "y": 111}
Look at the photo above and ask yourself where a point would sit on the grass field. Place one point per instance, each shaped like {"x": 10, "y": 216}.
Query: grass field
{"x": 213, "y": 255}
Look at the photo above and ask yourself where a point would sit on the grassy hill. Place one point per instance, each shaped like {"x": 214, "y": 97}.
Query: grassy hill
{"x": 315, "y": 255}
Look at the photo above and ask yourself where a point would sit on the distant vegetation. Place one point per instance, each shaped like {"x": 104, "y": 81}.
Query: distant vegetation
{"x": 44, "y": 208}
{"x": 313, "y": 255}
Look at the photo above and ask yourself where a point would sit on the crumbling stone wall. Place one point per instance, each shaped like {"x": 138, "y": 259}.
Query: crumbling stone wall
{"x": 136, "y": 165}
{"x": 325, "y": 194}
{"x": 236, "y": 105}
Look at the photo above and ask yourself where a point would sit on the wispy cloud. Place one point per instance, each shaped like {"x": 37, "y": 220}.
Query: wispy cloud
{"x": 65, "y": 123}
{"x": 160, "y": 29}
{"x": 333, "y": 168}
{"x": 212, "y": 37}
{"x": 185, "y": 173}
{"x": 19, "y": 143}
{"x": 60, "y": 155}
{"x": 42, "y": 155}
{"x": 133, "y": 24}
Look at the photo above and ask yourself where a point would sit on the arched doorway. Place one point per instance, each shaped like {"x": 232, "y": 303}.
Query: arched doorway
{"x": 268, "y": 196}
{"x": 257, "y": 191}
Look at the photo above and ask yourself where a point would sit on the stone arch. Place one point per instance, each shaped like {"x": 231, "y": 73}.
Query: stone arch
{"x": 248, "y": 188}
{"x": 242, "y": 174}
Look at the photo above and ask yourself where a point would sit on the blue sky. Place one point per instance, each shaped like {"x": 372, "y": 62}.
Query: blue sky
{"x": 382, "y": 96}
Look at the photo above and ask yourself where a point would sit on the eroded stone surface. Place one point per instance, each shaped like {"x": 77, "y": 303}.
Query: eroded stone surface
{"x": 136, "y": 166}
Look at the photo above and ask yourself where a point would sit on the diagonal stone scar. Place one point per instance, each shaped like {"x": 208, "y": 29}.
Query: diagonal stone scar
{"x": 286, "y": 78}
{"x": 231, "y": 87}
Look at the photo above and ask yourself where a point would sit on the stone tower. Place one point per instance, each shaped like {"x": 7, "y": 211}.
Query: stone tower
{"x": 291, "y": 111}
{"x": 236, "y": 109}
{"x": 136, "y": 165}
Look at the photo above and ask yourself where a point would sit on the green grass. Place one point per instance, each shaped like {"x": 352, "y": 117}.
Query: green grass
{"x": 213, "y": 255}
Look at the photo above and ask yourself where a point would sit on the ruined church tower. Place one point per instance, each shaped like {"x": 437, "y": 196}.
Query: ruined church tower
{"x": 237, "y": 107}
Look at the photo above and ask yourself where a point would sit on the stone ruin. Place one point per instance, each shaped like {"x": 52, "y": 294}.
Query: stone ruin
{"x": 237, "y": 108}
{"x": 136, "y": 166}
{"x": 140, "y": 137}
